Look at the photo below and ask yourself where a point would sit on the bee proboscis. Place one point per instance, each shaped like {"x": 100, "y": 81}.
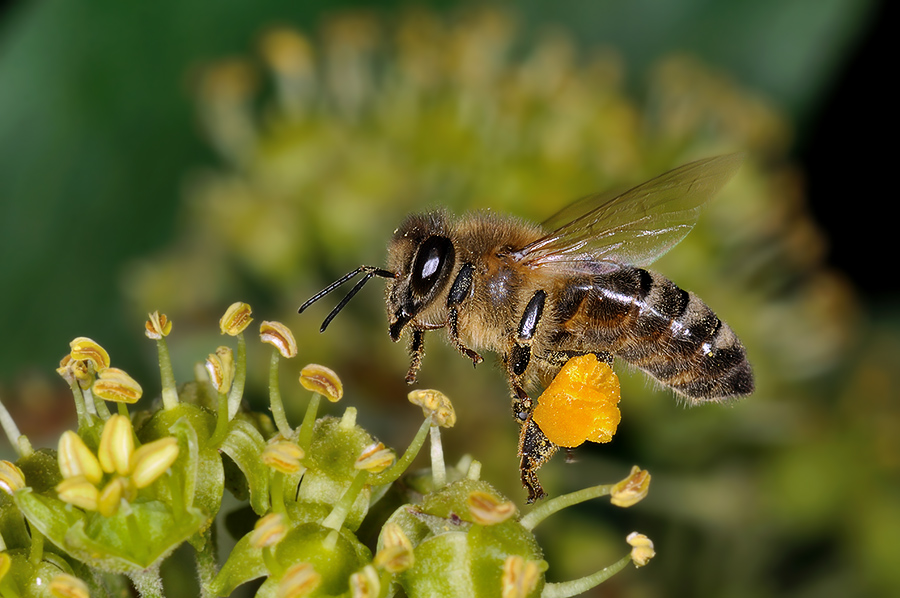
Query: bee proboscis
{"x": 539, "y": 295}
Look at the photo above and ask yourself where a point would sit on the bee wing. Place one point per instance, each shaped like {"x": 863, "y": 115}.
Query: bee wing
{"x": 635, "y": 227}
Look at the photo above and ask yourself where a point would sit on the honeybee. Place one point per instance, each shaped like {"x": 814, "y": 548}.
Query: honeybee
{"x": 538, "y": 295}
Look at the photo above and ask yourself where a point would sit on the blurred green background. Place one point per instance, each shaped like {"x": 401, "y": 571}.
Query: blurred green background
{"x": 183, "y": 155}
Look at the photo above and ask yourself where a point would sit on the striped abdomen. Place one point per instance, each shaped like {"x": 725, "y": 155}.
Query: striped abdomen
{"x": 646, "y": 320}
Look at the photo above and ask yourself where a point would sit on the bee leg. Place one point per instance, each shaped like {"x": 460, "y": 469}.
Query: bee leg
{"x": 459, "y": 291}
{"x": 534, "y": 450}
{"x": 521, "y": 403}
{"x": 518, "y": 357}
{"x": 416, "y": 352}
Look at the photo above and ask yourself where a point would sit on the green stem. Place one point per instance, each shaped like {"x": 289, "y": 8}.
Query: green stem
{"x": 579, "y": 586}
{"x": 396, "y": 470}
{"x": 207, "y": 561}
{"x": 102, "y": 410}
{"x": 147, "y": 582}
{"x": 275, "y": 398}
{"x": 80, "y": 409}
{"x": 240, "y": 377}
{"x": 304, "y": 436}
{"x": 10, "y": 429}
{"x": 438, "y": 470}
{"x": 339, "y": 513}
{"x": 123, "y": 409}
{"x": 169, "y": 392}
{"x": 547, "y": 508}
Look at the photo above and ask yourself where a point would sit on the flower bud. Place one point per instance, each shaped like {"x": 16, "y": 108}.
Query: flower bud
{"x": 76, "y": 459}
{"x": 632, "y": 489}
{"x": 320, "y": 379}
{"x": 152, "y": 460}
{"x": 116, "y": 445}
{"x": 11, "y": 477}
{"x": 642, "y": 549}
{"x": 115, "y": 385}
{"x": 279, "y": 336}
{"x": 236, "y": 319}
{"x": 157, "y": 326}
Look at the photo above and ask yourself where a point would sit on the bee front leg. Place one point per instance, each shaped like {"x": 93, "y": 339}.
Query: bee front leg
{"x": 416, "y": 352}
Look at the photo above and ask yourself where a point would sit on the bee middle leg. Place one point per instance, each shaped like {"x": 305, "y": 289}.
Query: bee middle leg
{"x": 459, "y": 291}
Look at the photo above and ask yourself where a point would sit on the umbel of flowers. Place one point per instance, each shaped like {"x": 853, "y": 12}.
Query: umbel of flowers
{"x": 122, "y": 491}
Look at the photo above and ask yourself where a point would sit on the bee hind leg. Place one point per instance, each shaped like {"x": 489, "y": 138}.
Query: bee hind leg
{"x": 534, "y": 450}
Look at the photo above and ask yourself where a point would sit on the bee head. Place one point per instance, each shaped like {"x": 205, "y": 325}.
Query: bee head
{"x": 423, "y": 256}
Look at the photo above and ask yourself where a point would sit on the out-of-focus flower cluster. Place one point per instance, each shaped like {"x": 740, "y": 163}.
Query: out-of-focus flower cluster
{"x": 121, "y": 493}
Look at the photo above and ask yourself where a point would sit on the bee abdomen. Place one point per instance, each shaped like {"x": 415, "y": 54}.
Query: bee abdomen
{"x": 670, "y": 333}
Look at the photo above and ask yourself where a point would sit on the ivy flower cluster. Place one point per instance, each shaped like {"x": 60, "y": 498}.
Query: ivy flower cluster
{"x": 101, "y": 512}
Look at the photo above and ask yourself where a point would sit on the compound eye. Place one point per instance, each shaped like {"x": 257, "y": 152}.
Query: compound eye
{"x": 433, "y": 255}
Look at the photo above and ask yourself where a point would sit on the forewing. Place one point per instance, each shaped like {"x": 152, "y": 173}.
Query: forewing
{"x": 635, "y": 227}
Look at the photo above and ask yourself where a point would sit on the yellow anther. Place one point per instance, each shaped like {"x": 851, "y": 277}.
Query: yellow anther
{"x": 434, "y": 404}
{"x": 85, "y": 349}
{"x": 642, "y": 549}
{"x": 157, "y": 326}
{"x": 375, "y": 458}
{"x": 152, "y": 460}
{"x": 320, "y": 379}
{"x": 111, "y": 497}
{"x": 283, "y": 455}
{"x": 115, "y": 385}
{"x": 79, "y": 491}
{"x": 487, "y": 509}
{"x": 116, "y": 445}
{"x": 220, "y": 366}
{"x": 298, "y": 581}
{"x": 64, "y": 585}
{"x": 236, "y": 319}
{"x": 268, "y": 531}
{"x": 11, "y": 477}
{"x": 396, "y": 554}
{"x": 520, "y": 577}
{"x": 279, "y": 336}
{"x": 632, "y": 489}
{"x": 76, "y": 459}
{"x": 365, "y": 583}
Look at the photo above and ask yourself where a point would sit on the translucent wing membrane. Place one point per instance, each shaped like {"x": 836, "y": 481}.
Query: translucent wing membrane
{"x": 636, "y": 227}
